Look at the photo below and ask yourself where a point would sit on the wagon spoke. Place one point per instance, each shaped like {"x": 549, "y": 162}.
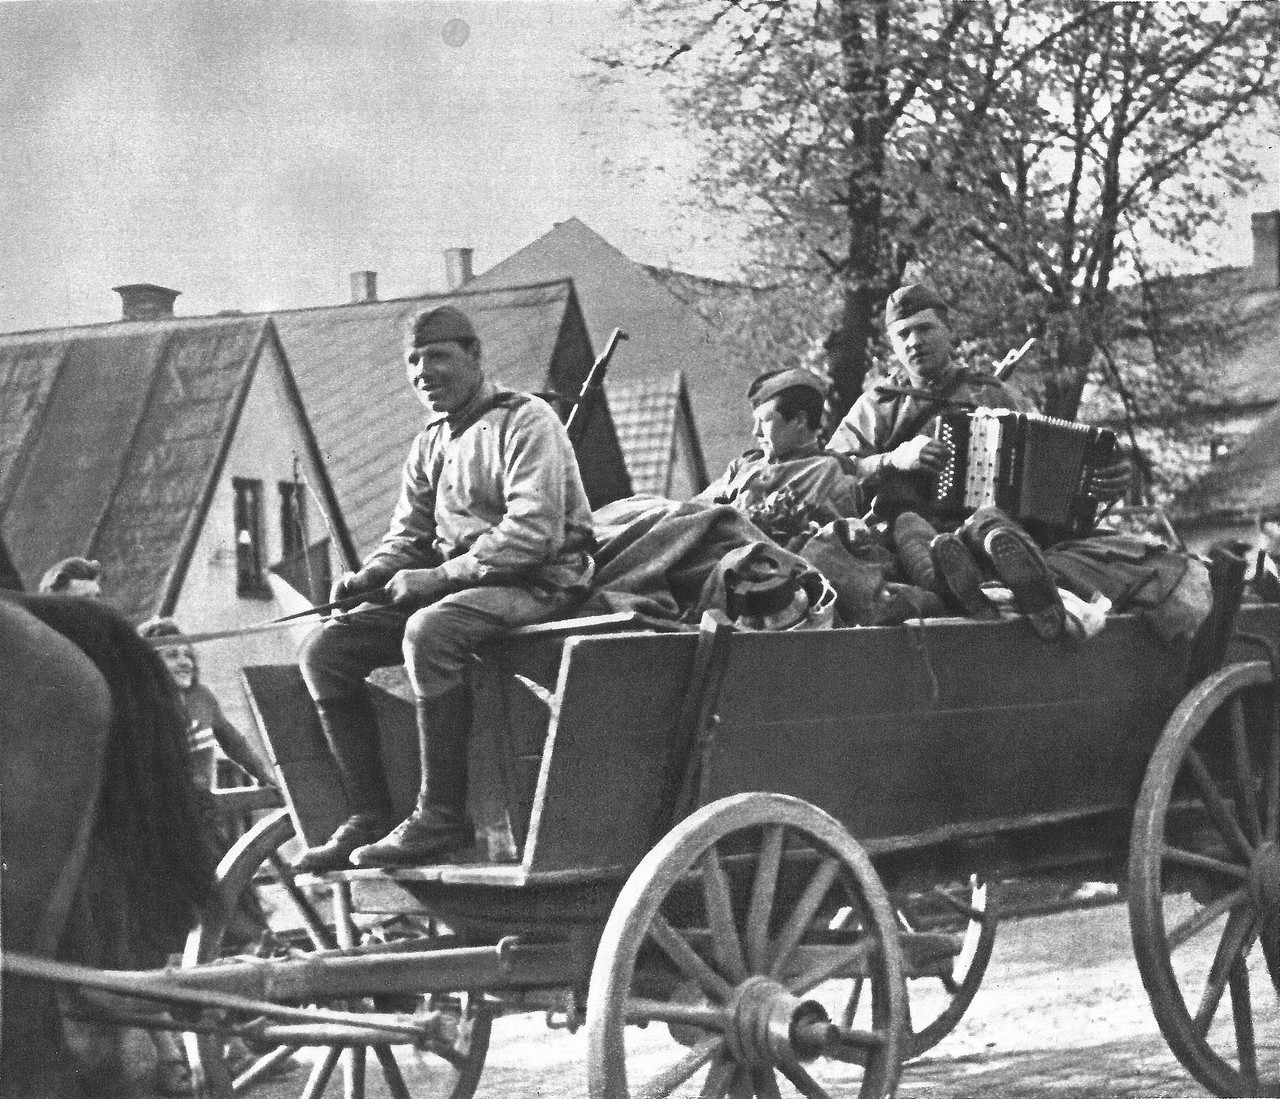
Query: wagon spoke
{"x": 1231, "y": 947}
{"x": 319, "y": 1078}
{"x": 1242, "y": 1015}
{"x": 762, "y": 893}
{"x": 262, "y": 1066}
{"x": 720, "y": 1077}
{"x": 1244, "y": 772}
{"x": 805, "y": 1084}
{"x": 743, "y": 1086}
{"x": 832, "y": 966}
{"x": 688, "y": 959}
{"x": 766, "y": 1084}
{"x": 1205, "y": 862}
{"x": 315, "y": 925}
{"x": 396, "y": 1086}
{"x": 724, "y": 932}
{"x": 1193, "y": 925}
{"x": 353, "y": 1065}
{"x": 851, "y": 1004}
{"x": 665, "y": 1082}
{"x": 802, "y": 916}
{"x": 642, "y": 1010}
{"x": 1217, "y": 806}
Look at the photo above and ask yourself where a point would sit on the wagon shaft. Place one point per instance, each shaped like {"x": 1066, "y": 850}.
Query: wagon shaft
{"x": 258, "y": 985}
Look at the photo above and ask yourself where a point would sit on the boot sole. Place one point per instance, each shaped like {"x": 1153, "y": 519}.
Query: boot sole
{"x": 1034, "y": 591}
{"x": 959, "y": 576}
{"x": 428, "y": 857}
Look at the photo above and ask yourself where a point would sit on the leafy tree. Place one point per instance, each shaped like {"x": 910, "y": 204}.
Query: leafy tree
{"x": 1074, "y": 133}
{"x": 795, "y": 103}
{"x": 1022, "y": 152}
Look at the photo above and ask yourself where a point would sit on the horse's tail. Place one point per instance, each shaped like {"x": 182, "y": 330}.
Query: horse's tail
{"x": 150, "y": 822}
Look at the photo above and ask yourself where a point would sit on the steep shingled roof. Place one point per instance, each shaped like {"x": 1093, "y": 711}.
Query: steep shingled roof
{"x": 349, "y": 363}
{"x": 646, "y": 414}
{"x": 110, "y": 436}
{"x": 666, "y": 332}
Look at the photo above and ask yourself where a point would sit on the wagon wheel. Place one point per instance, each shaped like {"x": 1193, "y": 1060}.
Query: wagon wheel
{"x": 301, "y": 923}
{"x": 948, "y": 934}
{"x": 721, "y": 933}
{"x": 1204, "y": 870}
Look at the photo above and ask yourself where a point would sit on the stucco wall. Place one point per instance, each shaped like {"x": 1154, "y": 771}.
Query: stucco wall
{"x": 266, "y": 440}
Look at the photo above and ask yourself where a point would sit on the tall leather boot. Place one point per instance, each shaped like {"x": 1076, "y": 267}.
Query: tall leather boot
{"x": 912, "y": 534}
{"x": 439, "y": 827}
{"x": 351, "y": 728}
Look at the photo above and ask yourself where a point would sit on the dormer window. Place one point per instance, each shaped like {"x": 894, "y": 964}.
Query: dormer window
{"x": 1217, "y": 447}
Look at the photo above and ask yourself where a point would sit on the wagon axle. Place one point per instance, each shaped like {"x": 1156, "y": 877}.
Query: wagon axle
{"x": 767, "y": 1025}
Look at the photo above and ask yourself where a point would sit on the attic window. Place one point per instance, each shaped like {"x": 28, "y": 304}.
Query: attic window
{"x": 251, "y": 580}
{"x": 1217, "y": 447}
{"x": 293, "y": 519}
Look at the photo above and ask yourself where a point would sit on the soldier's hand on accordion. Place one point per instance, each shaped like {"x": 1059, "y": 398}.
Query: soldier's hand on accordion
{"x": 1111, "y": 482}
{"x": 921, "y": 452}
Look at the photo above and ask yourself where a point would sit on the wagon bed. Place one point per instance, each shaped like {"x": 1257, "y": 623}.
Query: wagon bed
{"x": 710, "y": 831}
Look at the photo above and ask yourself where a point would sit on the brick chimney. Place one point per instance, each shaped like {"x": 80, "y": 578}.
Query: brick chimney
{"x": 1265, "y": 273}
{"x": 457, "y": 267}
{"x": 145, "y": 301}
{"x": 364, "y": 286}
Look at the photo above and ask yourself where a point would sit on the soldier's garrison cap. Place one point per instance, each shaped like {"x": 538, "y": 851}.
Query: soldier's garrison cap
{"x": 440, "y": 325}
{"x": 768, "y": 386}
{"x": 913, "y": 298}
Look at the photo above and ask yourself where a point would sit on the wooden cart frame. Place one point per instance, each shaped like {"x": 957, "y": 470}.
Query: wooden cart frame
{"x": 712, "y": 829}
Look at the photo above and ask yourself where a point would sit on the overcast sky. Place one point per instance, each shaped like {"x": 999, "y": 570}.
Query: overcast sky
{"x": 252, "y": 154}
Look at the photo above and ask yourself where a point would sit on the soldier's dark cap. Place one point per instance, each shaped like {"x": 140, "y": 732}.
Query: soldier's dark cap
{"x": 913, "y": 298}
{"x": 440, "y": 325}
{"x": 68, "y": 569}
{"x": 769, "y": 385}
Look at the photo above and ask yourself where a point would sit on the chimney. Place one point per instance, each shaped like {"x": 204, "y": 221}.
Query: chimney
{"x": 1265, "y": 273}
{"x": 457, "y": 267}
{"x": 145, "y": 301}
{"x": 364, "y": 286}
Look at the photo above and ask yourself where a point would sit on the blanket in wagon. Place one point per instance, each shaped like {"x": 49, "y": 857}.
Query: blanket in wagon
{"x": 660, "y": 558}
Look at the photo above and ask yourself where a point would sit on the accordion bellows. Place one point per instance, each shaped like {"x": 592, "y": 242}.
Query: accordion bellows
{"x": 1031, "y": 466}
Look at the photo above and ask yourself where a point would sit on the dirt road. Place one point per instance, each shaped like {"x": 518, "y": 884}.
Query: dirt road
{"x": 1062, "y": 1012}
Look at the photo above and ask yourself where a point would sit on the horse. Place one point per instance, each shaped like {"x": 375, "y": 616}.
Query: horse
{"x": 106, "y": 859}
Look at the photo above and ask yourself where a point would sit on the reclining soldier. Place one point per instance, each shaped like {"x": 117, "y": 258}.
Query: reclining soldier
{"x": 786, "y": 413}
{"x": 492, "y": 531}
{"x": 887, "y": 440}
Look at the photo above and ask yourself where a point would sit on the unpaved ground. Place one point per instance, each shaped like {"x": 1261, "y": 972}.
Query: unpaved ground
{"x": 1062, "y": 1012}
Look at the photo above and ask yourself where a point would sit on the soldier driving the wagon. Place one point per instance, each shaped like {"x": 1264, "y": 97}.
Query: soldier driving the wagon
{"x": 492, "y": 531}
{"x": 886, "y": 437}
{"x": 786, "y": 410}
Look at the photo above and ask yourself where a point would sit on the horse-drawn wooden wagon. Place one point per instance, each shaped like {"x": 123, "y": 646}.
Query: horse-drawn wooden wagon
{"x": 752, "y": 862}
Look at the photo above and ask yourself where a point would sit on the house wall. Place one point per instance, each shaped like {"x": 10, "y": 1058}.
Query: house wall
{"x": 267, "y": 438}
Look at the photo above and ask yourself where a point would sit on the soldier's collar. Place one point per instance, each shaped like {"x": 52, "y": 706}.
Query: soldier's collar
{"x": 808, "y": 450}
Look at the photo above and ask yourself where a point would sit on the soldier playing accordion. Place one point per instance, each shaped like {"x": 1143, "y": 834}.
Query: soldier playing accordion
{"x": 892, "y": 441}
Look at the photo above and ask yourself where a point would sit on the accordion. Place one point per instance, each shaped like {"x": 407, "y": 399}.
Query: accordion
{"x": 1033, "y": 467}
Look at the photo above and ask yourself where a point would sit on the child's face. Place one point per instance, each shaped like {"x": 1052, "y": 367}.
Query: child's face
{"x": 181, "y": 662}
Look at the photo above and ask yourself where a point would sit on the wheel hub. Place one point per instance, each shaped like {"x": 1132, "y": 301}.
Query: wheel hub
{"x": 770, "y": 1026}
{"x": 1264, "y": 877}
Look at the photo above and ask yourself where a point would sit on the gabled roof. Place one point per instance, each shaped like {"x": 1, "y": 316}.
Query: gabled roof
{"x": 111, "y": 438}
{"x": 667, "y": 334}
{"x": 1242, "y": 485}
{"x": 646, "y": 415}
{"x": 349, "y": 364}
